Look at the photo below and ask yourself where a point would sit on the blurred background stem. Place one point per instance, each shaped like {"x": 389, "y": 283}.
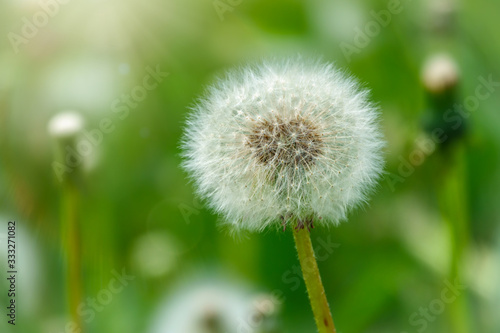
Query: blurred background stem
{"x": 71, "y": 236}
{"x": 454, "y": 211}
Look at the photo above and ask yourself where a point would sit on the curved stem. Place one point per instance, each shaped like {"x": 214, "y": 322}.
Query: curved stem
{"x": 315, "y": 288}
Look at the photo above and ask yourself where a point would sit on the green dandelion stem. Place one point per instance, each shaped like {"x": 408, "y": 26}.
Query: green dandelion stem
{"x": 73, "y": 250}
{"x": 315, "y": 288}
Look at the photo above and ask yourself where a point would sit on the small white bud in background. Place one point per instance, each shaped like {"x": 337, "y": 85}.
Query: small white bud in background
{"x": 440, "y": 73}
{"x": 65, "y": 124}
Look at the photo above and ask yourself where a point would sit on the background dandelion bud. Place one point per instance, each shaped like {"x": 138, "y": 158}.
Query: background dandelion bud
{"x": 66, "y": 127}
{"x": 284, "y": 140}
{"x": 65, "y": 124}
{"x": 440, "y": 72}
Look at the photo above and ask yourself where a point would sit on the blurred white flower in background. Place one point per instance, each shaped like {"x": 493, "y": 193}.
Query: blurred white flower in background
{"x": 212, "y": 306}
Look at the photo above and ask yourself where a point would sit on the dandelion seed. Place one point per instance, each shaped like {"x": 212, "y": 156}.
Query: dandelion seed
{"x": 316, "y": 134}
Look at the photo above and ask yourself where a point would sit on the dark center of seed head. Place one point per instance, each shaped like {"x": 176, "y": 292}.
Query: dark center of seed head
{"x": 290, "y": 143}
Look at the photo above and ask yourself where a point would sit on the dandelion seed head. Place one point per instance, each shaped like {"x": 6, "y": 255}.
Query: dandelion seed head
{"x": 288, "y": 138}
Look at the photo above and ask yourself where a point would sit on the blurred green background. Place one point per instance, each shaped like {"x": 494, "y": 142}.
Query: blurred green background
{"x": 426, "y": 225}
